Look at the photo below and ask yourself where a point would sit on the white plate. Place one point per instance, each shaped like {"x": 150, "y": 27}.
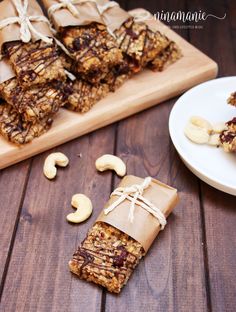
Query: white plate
{"x": 210, "y": 164}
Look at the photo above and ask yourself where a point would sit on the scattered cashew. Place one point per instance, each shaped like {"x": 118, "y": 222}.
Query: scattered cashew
{"x": 201, "y": 123}
{"x": 196, "y": 134}
{"x": 219, "y": 127}
{"x": 112, "y": 162}
{"x": 200, "y": 131}
{"x": 49, "y": 169}
{"x": 214, "y": 140}
{"x": 84, "y": 208}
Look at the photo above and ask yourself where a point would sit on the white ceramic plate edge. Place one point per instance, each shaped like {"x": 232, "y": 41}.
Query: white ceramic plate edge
{"x": 215, "y": 183}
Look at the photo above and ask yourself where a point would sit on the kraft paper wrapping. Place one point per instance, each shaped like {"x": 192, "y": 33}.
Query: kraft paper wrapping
{"x": 6, "y": 71}
{"x": 12, "y": 32}
{"x": 145, "y": 226}
{"x": 88, "y": 13}
{"x": 113, "y": 17}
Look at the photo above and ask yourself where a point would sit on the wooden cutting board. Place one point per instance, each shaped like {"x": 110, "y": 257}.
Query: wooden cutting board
{"x": 141, "y": 92}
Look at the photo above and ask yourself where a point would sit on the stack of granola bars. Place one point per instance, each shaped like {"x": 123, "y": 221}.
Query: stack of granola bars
{"x": 100, "y": 59}
{"x": 35, "y": 94}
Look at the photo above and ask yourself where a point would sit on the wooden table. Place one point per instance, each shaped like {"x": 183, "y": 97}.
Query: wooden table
{"x": 192, "y": 264}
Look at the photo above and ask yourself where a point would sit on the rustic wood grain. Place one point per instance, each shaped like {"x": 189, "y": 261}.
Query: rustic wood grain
{"x": 171, "y": 266}
{"x": 38, "y": 278}
{"x": 218, "y": 208}
{"x": 13, "y": 182}
{"x": 191, "y": 266}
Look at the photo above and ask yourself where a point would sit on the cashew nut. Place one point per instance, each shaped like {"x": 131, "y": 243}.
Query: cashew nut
{"x": 84, "y": 208}
{"x": 196, "y": 134}
{"x": 214, "y": 140}
{"x": 49, "y": 169}
{"x": 112, "y": 162}
{"x": 201, "y": 123}
{"x": 219, "y": 127}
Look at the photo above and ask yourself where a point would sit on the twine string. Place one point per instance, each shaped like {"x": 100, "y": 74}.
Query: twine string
{"x": 134, "y": 194}
{"x": 25, "y": 22}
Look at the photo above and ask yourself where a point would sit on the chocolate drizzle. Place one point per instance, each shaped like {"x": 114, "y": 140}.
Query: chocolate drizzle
{"x": 116, "y": 261}
{"x": 31, "y": 60}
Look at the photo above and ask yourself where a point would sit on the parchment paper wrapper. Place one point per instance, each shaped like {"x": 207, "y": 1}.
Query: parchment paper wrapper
{"x": 6, "y": 71}
{"x": 113, "y": 17}
{"x": 88, "y": 13}
{"x": 145, "y": 226}
{"x": 12, "y": 32}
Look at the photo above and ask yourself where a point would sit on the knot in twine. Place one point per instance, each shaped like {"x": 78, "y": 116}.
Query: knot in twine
{"x": 134, "y": 194}
{"x": 24, "y": 20}
{"x": 70, "y": 5}
{"x": 141, "y": 16}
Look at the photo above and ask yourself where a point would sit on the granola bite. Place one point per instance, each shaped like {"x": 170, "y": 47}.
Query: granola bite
{"x": 232, "y": 99}
{"x": 228, "y": 137}
{"x": 81, "y": 95}
{"x": 117, "y": 76}
{"x": 166, "y": 57}
{"x": 35, "y": 103}
{"x": 35, "y": 62}
{"x": 106, "y": 257}
{"x": 139, "y": 43}
{"x": 16, "y": 130}
{"x": 93, "y": 49}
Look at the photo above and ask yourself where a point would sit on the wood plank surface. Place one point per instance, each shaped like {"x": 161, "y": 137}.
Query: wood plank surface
{"x": 140, "y": 92}
{"x": 219, "y": 210}
{"x": 191, "y": 265}
{"x": 13, "y": 183}
{"x": 171, "y": 268}
{"x": 44, "y": 240}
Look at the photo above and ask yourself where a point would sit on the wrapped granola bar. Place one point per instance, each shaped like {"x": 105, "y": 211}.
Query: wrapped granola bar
{"x": 27, "y": 113}
{"x": 84, "y": 35}
{"x": 30, "y": 49}
{"x": 140, "y": 43}
{"x": 123, "y": 232}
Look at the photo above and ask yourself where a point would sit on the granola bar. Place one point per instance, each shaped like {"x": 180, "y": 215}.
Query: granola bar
{"x": 139, "y": 43}
{"x": 106, "y": 257}
{"x": 232, "y": 99}
{"x": 166, "y": 57}
{"x": 35, "y": 63}
{"x": 35, "y": 103}
{"x": 117, "y": 76}
{"x": 16, "y": 130}
{"x": 228, "y": 137}
{"x": 81, "y": 95}
{"x": 93, "y": 49}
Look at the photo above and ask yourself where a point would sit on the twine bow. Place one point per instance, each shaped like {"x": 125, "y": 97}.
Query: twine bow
{"x": 24, "y": 20}
{"x": 134, "y": 194}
